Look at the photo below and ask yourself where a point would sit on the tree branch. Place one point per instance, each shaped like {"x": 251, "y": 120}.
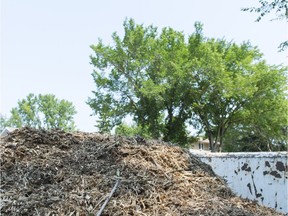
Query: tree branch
{"x": 108, "y": 198}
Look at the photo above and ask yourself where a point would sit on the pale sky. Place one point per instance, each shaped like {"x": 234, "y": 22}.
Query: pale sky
{"x": 45, "y": 44}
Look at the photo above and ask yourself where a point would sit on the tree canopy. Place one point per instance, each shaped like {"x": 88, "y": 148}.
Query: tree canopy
{"x": 168, "y": 81}
{"x": 42, "y": 111}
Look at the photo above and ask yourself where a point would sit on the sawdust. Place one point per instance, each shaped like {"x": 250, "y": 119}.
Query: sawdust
{"x": 58, "y": 173}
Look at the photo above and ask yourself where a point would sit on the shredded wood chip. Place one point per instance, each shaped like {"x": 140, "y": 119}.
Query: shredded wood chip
{"x": 57, "y": 173}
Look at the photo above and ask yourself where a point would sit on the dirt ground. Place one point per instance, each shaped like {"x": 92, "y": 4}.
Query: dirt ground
{"x": 58, "y": 173}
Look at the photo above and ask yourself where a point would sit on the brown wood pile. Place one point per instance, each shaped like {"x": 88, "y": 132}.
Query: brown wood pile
{"x": 58, "y": 173}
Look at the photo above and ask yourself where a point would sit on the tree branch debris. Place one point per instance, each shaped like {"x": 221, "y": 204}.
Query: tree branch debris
{"x": 57, "y": 173}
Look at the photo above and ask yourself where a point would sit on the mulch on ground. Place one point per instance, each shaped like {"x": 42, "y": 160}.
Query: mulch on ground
{"x": 58, "y": 173}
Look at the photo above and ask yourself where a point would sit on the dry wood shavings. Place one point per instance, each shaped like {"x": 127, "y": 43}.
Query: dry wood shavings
{"x": 58, "y": 173}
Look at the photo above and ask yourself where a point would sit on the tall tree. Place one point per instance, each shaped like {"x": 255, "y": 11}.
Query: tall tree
{"x": 265, "y": 121}
{"x": 142, "y": 76}
{"x": 167, "y": 83}
{"x": 42, "y": 111}
{"x": 121, "y": 73}
{"x": 229, "y": 81}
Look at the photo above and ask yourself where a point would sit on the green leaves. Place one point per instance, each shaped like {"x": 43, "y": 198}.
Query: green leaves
{"x": 167, "y": 82}
{"x": 43, "y": 111}
{"x": 143, "y": 75}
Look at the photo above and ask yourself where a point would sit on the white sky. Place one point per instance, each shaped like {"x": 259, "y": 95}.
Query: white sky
{"x": 45, "y": 44}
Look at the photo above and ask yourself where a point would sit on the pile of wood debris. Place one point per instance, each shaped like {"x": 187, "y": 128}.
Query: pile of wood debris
{"x": 58, "y": 173}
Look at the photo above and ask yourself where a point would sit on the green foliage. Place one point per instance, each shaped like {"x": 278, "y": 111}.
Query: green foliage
{"x": 167, "y": 83}
{"x": 245, "y": 139}
{"x": 141, "y": 75}
{"x": 234, "y": 83}
{"x": 264, "y": 122}
{"x": 131, "y": 131}
{"x": 3, "y": 122}
{"x": 42, "y": 111}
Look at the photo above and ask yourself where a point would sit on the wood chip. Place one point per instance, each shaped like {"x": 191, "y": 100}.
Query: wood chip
{"x": 57, "y": 173}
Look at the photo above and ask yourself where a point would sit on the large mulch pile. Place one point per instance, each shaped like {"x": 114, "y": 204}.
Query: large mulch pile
{"x": 58, "y": 173}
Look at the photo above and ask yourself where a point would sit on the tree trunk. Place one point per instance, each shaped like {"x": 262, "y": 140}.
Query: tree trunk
{"x": 210, "y": 137}
{"x": 169, "y": 124}
{"x": 221, "y": 142}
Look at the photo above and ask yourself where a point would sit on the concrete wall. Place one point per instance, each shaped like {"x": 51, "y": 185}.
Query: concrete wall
{"x": 258, "y": 176}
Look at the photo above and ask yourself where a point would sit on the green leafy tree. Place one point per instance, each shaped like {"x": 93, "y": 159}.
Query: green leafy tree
{"x": 231, "y": 80}
{"x": 42, "y": 111}
{"x": 120, "y": 75}
{"x": 267, "y": 116}
{"x": 167, "y": 83}
{"x": 131, "y": 131}
{"x": 142, "y": 76}
{"x": 3, "y": 122}
{"x": 264, "y": 122}
{"x": 247, "y": 138}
